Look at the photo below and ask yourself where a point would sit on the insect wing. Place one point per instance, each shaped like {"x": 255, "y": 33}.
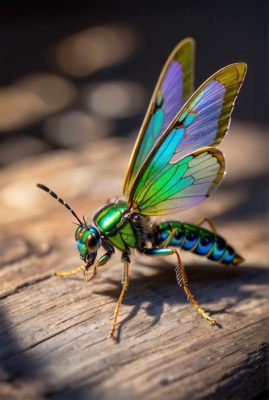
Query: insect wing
{"x": 183, "y": 185}
{"x": 174, "y": 87}
{"x": 183, "y": 169}
{"x": 206, "y": 116}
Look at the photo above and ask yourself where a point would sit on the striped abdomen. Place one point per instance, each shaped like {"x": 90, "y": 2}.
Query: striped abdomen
{"x": 198, "y": 240}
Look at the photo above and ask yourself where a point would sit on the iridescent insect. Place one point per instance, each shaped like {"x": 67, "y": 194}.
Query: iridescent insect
{"x": 174, "y": 166}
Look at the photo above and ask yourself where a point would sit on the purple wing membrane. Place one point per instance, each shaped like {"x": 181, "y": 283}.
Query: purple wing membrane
{"x": 206, "y": 116}
{"x": 172, "y": 91}
{"x": 202, "y": 120}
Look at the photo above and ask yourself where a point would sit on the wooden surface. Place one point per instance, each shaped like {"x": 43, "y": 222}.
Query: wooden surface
{"x": 53, "y": 339}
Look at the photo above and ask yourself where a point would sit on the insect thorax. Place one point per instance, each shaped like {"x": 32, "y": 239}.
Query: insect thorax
{"x": 122, "y": 228}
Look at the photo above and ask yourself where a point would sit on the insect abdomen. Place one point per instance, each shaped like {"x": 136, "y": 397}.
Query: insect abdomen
{"x": 197, "y": 240}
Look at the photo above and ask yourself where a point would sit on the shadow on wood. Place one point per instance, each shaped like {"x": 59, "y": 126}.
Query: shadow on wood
{"x": 210, "y": 282}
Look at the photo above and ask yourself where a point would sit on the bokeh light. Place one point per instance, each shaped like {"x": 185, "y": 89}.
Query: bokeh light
{"x": 92, "y": 49}
{"x": 76, "y": 127}
{"x": 16, "y": 148}
{"x": 116, "y": 99}
{"x": 32, "y": 98}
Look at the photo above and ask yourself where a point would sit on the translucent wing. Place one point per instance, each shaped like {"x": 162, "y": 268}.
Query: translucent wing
{"x": 206, "y": 116}
{"x": 182, "y": 185}
{"x": 181, "y": 170}
{"x": 174, "y": 87}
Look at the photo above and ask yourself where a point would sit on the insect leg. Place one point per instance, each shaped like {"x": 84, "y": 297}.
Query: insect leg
{"x": 102, "y": 261}
{"x": 84, "y": 268}
{"x": 182, "y": 280}
{"x": 166, "y": 242}
{"x": 66, "y": 274}
{"x": 125, "y": 281}
{"x": 181, "y": 277}
{"x": 200, "y": 222}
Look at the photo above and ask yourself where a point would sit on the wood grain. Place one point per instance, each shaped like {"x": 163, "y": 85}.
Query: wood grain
{"x": 53, "y": 338}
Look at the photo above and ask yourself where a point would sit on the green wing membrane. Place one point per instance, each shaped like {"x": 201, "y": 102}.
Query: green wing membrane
{"x": 180, "y": 186}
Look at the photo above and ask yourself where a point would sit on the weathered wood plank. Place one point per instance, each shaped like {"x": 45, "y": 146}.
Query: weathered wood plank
{"x": 53, "y": 331}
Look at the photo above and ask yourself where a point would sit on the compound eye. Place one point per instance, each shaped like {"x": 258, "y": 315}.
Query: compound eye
{"x": 79, "y": 233}
{"x": 92, "y": 242}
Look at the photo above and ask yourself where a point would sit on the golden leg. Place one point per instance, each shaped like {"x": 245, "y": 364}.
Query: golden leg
{"x": 65, "y": 274}
{"x": 86, "y": 277}
{"x": 123, "y": 290}
{"x": 102, "y": 261}
{"x": 182, "y": 279}
{"x": 168, "y": 239}
{"x": 210, "y": 223}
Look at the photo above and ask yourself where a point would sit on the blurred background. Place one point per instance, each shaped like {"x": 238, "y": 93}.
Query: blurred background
{"x": 75, "y": 81}
{"x": 75, "y": 72}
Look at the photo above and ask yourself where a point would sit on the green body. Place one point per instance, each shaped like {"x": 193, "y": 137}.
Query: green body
{"x": 121, "y": 231}
{"x": 109, "y": 220}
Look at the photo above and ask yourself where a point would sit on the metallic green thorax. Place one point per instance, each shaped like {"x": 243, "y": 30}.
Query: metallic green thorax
{"x": 118, "y": 231}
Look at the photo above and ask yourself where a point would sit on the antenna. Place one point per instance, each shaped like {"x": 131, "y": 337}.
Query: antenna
{"x": 55, "y": 196}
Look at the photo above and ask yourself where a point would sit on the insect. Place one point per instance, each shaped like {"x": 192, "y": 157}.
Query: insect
{"x": 174, "y": 166}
